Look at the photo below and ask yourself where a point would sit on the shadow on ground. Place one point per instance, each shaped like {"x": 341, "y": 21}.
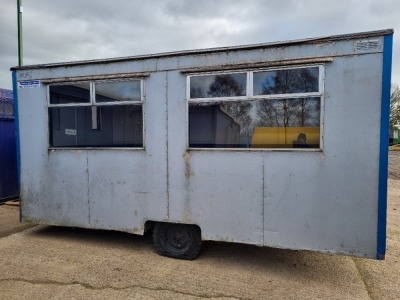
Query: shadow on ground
{"x": 292, "y": 263}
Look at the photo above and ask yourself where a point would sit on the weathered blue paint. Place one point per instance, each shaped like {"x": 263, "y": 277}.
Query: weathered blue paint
{"x": 8, "y": 167}
{"x": 383, "y": 156}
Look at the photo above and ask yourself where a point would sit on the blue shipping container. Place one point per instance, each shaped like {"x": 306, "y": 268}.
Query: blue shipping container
{"x": 8, "y": 157}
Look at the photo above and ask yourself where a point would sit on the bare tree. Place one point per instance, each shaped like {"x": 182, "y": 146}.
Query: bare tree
{"x": 196, "y": 93}
{"x": 224, "y": 86}
{"x": 295, "y": 112}
{"x": 291, "y": 112}
{"x": 394, "y": 106}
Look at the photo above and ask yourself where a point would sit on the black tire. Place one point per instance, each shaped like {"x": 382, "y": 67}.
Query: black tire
{"x": 177, "y": 240}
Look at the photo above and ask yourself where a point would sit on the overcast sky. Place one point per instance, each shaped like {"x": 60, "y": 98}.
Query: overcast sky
{"x": 59, "y": 30}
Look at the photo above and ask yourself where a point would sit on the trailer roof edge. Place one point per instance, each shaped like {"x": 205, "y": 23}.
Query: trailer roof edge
{"x": 315, "y": 40}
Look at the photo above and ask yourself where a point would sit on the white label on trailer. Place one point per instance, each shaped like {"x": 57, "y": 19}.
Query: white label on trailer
{"x": 70, "y": 131}
{"x": 366, "y": 45}
{"x": 28, "y": 84}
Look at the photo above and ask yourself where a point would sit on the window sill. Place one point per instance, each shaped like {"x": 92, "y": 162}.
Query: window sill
{"x": 296, "y": 150}
{"x": 94, "y": 148}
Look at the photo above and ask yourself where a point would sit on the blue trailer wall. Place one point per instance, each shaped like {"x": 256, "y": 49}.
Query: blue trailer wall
{"x": 8, "y": 158}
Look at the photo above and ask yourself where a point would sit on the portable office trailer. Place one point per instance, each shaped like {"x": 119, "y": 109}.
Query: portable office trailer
{"x": 261, "y": 144}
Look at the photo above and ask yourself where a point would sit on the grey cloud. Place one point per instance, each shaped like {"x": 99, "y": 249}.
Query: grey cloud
{"x": 56, "y": 30}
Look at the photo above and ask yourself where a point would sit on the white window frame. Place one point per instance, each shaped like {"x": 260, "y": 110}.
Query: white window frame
{"x": 92, "y": 103}
{"x": 292, "y": 95}
{"x": 249, "y": 96}
{"x": 69, "y": 104}
{"x": 92, "y": 93}
{"x": 208, "y": 99}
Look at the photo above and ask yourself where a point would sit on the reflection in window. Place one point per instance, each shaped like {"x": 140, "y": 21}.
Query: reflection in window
{"x": 219, "y": 85}
{"x": 117, "y": 91}
{"x": 72, "y": 126}
{"x": 70, "y": 93}
{"x": 76, "y": 121}
{"x": 286, "y": 81}
{"x": 281, "y": 109}
{"x": 267, "y": 123}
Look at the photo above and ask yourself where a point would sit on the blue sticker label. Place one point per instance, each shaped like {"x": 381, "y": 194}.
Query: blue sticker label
{"x": 28, "y": 84}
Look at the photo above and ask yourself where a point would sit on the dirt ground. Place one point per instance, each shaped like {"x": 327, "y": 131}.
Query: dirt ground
{"x": 45, "y": 262}
{"x": 394, "y": 165}
{"x": 382, "y": 278}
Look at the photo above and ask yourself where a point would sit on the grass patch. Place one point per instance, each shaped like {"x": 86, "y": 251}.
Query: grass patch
{"x": 394, "y": 148}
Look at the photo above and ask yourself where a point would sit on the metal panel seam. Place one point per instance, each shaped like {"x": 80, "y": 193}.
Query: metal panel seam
{"x": 167, "y": 141}
{"x": 384, "y": 145}
{"x": 88, "y": 186}
{"x": 263, "y": 201}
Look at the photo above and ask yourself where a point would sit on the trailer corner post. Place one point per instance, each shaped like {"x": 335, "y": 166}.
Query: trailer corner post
{"x": 384, "y": 146}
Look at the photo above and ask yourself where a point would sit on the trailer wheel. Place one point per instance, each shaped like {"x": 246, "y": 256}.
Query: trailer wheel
{"x": 177, "y": 240}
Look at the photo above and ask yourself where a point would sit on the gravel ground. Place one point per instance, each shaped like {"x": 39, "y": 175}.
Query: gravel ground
{"x": 48, "y": 262}
{"x": 394, "y": 165}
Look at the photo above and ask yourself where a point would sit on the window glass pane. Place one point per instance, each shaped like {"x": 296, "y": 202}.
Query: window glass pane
{"x": 70, "y": 93}
{"x": 267, "y": 123}
{"x": 286, "y": 81}
{"x": 223, "y": 85}
{"x": 118, "y": 91}
{"x": 118, "y": 126}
